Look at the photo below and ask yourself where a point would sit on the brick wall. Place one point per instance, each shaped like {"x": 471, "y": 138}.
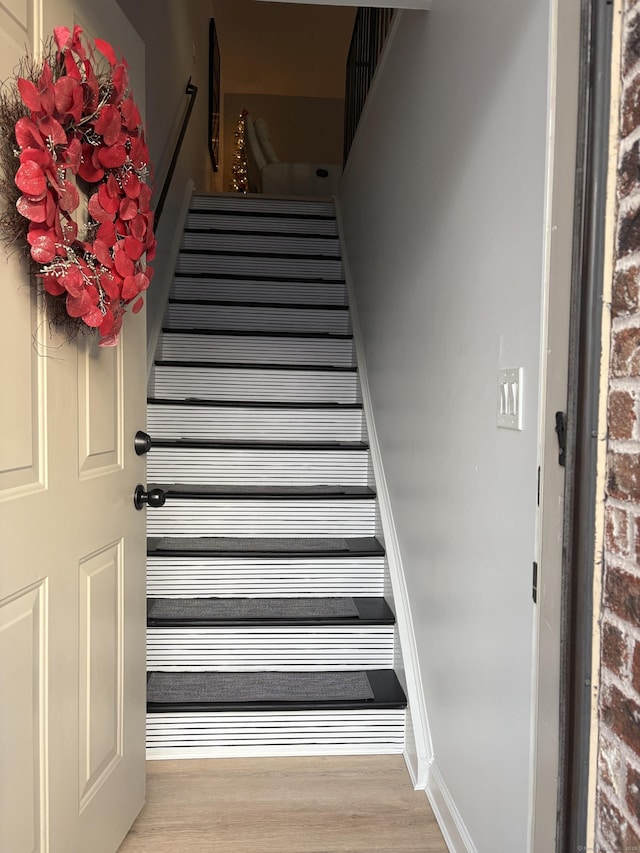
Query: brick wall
{"x": 618, "y": 784}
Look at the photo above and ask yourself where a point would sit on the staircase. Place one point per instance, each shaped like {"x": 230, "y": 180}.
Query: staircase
{"x": 268, "y": 630}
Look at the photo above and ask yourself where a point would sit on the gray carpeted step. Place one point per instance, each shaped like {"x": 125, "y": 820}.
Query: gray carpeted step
{"x": 224, "y": 687}
{"x": 214, "y": 609}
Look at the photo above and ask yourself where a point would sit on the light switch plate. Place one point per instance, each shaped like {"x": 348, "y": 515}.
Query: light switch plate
{"x": 509, "y": 408}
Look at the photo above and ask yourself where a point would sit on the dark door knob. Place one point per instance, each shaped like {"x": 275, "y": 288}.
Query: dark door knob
{"x": 154, "y": 497}
{"x": 142, "y": 443}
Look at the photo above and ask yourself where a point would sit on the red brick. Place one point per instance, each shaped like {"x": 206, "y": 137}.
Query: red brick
{"x": 625, "y": 297}
{"x": 622, "y": 415}
{"x": 610, "y": 765}
{"x": 628, "y": 238}
{"x": 616, "y": 531}
{"x": 625, "y": 355}
{"x": 622, "y": 595}
{"x": 629, "y": 171}
{"x": 623, "y": 476}
{"x": 615, "y": 655}
{"x": 631, "y": 47}
{"x": 622, "y": 715}
{"x": 610, "y": 823}
{"x": 633, "y": 793}
{"x": 635, "y": 668}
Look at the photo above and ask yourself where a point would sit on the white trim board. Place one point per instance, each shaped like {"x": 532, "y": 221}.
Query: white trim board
{"x": 418, "y": 754}
{"x": 447, "y": 815}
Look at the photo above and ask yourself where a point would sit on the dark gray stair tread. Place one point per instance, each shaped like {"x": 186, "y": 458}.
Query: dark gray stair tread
{"x": 243, "y": 253}
{"x": 256, "y": 333}
{"x": 267, "y": 214}
{"x": 189, "y": 490}
{"x": 239, "y": 546}
{"x": 224, "y": 232}
{"x": 216, "y": 612}
{"x": 381, "y": 690}
{"x": 303, "y": 306}
{"x": 252, "y": 404}
{"x": 256, "y": 365}
{"x": 242, "y": 444}
{"x": 243, "y": 276}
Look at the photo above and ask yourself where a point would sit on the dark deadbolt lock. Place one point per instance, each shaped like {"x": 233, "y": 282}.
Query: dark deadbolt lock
{"x": 142, "y": 443}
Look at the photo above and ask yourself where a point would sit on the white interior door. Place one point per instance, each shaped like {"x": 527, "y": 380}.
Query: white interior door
{"x": 72, "y": 546}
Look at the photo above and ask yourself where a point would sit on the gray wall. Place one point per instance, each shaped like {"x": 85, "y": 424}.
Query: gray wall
{"x": 443, "y": 207}
{"x": 176, "y": 37}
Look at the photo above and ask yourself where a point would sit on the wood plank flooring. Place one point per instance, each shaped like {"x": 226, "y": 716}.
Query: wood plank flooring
{"x": 324, "y": 804}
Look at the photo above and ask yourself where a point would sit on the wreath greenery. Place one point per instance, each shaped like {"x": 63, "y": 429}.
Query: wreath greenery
{"x": 77, "y": 179}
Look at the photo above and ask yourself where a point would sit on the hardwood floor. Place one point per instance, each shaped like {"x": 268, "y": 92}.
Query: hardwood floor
{"x": 324, "y": 804}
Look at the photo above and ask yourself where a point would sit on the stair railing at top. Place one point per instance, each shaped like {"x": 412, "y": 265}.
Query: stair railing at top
{"x": 192, "y": 91}
{"x": 367, "y": 42}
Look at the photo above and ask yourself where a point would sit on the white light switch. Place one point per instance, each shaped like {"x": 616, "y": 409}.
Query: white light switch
{"x": 509, "y": 409}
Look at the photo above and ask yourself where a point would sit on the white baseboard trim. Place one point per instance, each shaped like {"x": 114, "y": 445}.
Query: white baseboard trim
{"x": 446, "y": 813}
{"x": 420, "y": 755}
{"x": 162, "y": 282}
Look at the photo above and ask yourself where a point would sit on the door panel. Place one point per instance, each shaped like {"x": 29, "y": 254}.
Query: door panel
{"x": 72, "y": 546}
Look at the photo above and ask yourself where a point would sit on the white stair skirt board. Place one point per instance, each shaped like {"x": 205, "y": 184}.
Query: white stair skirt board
{"x": 264, "y": 318}
{"x": 292, "y": 648}
{"x": 258, "y": 424}
{"x": 248, "y": 290}
{"x": 419, "y": 751}
{"x": 278, "y": 224}
{"x": 222, "y": 734}
{"x": 328, "y": 247}
{"x": 268, "y": 267}
{"x": 269, "y": 517}
{"x": 179, "y": 577}
{"x": 227, "y": 466}
{"x": 164, "y": 278}
{"x": 263, "y": 205}
{"x": 255, "y": 349}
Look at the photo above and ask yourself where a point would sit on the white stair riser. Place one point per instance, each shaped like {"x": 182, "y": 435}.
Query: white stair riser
{"x": 328, "y": 247}
{"x": 272, "y": 517}
{"x": 246, "y": 290}
{"x": 225, "y": 422}
{"x": 279, "y": 649}
{"x": 246, "y": 318}
{"x": 263, "y": 205}
{"x": 275, "y": 224}
{"x": 252, "y": 733}
{"x": 246, "y": 383}
{"x": 257, "y": 350}
{"x": 312, "y": 268}
{"x": 258, "y": 467}
{"x": 264, "y": 577}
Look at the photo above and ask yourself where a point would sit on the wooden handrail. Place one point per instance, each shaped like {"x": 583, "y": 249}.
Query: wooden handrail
{"x": 192, "y": 91}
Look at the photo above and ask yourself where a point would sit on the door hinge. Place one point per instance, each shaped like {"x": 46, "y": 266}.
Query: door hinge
{"x": 534, "y": 584}
{"x": 561, "y": 432}
{"x": 538, "y": 485}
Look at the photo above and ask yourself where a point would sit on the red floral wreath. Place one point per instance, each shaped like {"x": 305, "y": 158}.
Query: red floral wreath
{"x": 82, "y": 129}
